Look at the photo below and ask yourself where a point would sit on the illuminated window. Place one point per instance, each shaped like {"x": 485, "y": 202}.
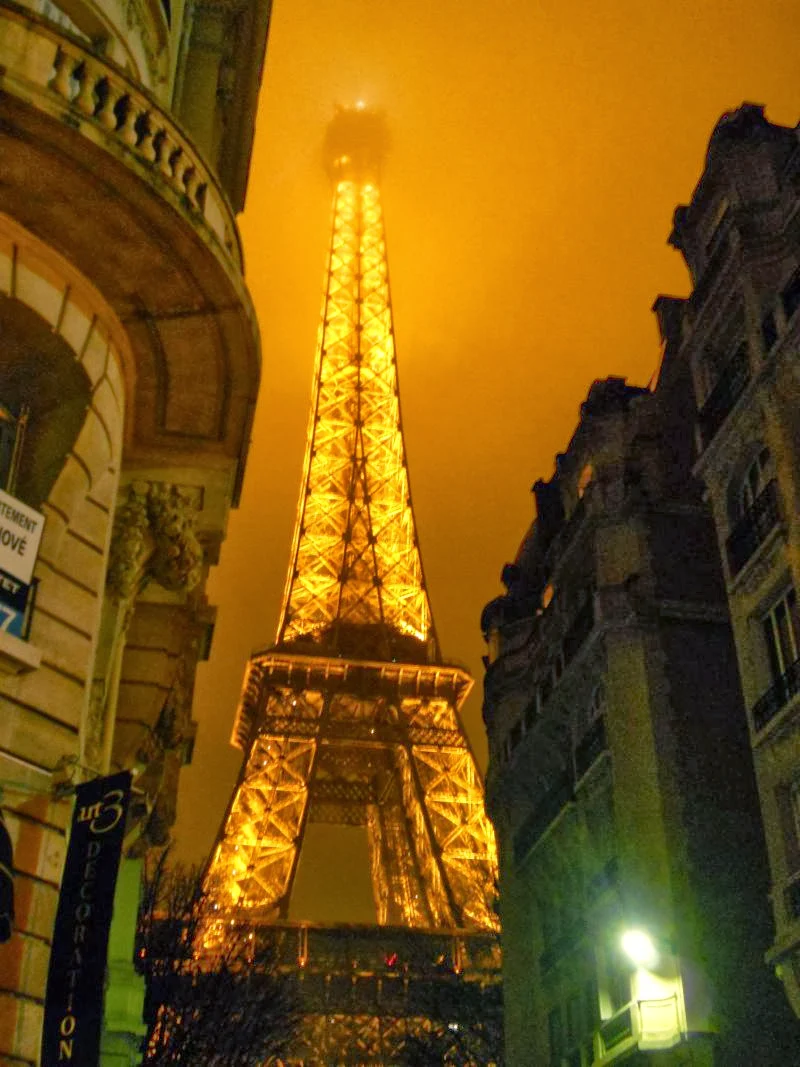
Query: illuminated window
{"x": 587, "y": 474}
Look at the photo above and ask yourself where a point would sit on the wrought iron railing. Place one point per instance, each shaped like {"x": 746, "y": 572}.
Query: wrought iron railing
{"x": 777, "y": 696}
{"x": 729, "y": 387}
{"x": 753, "y": 527}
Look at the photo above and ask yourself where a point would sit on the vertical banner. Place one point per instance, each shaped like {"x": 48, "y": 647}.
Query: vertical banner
{"x": 73, "y": 1010}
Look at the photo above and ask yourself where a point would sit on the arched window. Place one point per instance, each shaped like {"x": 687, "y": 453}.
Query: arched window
{"x": 44, "y": 394}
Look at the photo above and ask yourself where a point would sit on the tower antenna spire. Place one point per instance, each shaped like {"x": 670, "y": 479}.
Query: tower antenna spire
{"x": 356, "y": 143}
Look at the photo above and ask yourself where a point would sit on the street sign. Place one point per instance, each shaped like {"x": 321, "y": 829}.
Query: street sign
{"x": 20, "y": 535}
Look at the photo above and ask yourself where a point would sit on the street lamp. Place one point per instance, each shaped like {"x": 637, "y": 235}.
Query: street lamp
{"x": 640, "y": 948}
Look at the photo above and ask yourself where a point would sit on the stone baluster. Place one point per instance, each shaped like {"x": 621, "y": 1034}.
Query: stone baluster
{"x": 147, "y": 146}
{"x": 168, "y": 148}
{"x": 192, "y": 183}
{"x": 180, "y": 165}
{"x": 85, "y": 100}
{"x": 107, "y": 116}
{"x": 62, "y": 80}
{"x": 128, "y": 132}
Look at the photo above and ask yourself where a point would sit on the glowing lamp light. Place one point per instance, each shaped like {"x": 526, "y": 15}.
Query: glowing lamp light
{"x": 638, "y": 946}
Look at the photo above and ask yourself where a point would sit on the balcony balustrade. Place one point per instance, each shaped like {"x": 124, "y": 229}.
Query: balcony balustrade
{"x": 791, "y": 897}
{"x": 776, "y": 697}
{"x": 546, "y": 811}
{"x": 729, "y": 387}
{"x": 580, "y": 628}
{"x": 753, "y": 527}
{"x": 591, "y": 746}
{"x": 616, "y": 1029}
{"x": 48, "y": 69}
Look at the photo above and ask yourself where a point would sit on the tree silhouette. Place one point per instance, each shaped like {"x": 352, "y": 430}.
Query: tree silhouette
{"x": 229, "y": 1007}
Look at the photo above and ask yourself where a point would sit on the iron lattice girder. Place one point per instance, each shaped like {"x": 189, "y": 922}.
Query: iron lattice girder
{"x": 365, "y": 990}
{"x": 432, "y": 845}
{"x": 356, "y": 556}
{"x": 370, "y": 679}
{"x": 349, "y": 718}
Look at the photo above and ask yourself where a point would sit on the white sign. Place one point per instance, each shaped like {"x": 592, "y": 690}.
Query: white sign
{"x": 20, "y": 534}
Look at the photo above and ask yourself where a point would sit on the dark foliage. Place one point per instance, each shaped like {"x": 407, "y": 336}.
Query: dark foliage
{"x": 472, "y": 1038}
{"x": 225, "y": 1008}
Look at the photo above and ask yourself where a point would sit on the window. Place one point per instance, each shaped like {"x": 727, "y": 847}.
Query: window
{"x": 769, "y": 330}
{"x": 585, "y": 480}
{"x": 759, "y": 472}
{"x": 516, "y": 735}
{"x": 790, "y": 295}
{"x": 588, "y": 714}
{"x": 781, "y": 628}
{"x": 12, "y": 435}
{"x": 44, "y": 394}
{"x": 56, "y": 15}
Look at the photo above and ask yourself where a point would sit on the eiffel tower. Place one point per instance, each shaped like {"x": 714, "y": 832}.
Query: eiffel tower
{"x": 351, "y": 717}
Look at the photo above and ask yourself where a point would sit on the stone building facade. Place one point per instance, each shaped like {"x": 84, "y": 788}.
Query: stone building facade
{"x": 739, "y": 332}
{"x": 129, "y": 367}
{"x": 633, "y": 877}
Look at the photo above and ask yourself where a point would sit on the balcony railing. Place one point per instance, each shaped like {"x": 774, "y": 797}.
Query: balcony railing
{"x": 590, "y": 747}
{"x": 753, "y": 527}
{"x": 777, "y": 696}
{"x": 791, "y": 898}
{"x": 110, "y": 108}
{"x": 729, "y": 387}
{"x": 580, "y": 628}
{"x": 616, "y": 1029}
{"x": 542, "y": 816}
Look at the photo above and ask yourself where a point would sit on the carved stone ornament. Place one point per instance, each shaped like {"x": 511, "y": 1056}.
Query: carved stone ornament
{"x": 154, "y": 537}
{"x": 160, "y": 758}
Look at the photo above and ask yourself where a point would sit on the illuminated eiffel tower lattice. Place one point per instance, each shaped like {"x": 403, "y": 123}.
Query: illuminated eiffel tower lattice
{"x": 351, "y": 717}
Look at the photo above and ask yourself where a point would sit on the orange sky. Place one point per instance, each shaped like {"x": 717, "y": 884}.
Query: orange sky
{"x": 538, "y": 152}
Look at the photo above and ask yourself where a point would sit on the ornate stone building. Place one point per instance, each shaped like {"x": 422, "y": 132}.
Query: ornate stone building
{"x": 633, "y": 877}
{"x": 739, "y": 332}
{"x": 129, "y": 366}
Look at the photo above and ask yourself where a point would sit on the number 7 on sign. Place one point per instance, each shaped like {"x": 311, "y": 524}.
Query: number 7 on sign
{"x": 7, "y": 616}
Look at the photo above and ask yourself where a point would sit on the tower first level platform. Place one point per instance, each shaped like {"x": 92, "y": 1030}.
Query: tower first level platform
{"x": 365, "y": 743}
